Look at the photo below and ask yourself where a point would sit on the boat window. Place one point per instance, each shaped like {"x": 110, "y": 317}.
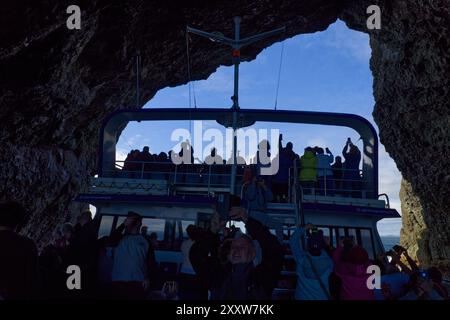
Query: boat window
{"x": 362, "y": 237}
{"x": 342, "y": 233}
{"x": 184, "y": 225}
{"x": 367, "y": 242}
{"x": 120, "y": 220}
{"x": 351, "y": 232}
{"x": 105, "y": 226}
{"x": 326, "y": 233}
{"x": 332, "y": 237}
{"x": 154, "y": 225}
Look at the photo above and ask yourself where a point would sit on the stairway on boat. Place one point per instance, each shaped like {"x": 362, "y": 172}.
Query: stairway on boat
{"x": 286, "y": 213}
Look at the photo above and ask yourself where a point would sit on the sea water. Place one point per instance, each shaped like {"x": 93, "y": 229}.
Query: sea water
{"x": 390, "y": 241}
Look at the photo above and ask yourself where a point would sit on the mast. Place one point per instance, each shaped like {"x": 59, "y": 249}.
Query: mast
{"x": 237, "y": 43}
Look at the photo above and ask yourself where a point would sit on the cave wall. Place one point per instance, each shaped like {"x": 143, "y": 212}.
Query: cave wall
{"x": 57, "y": 85}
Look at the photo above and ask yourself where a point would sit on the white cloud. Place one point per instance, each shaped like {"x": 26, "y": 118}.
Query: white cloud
{"x": 132, "y": 140}
{"x": 348, "y": 42}
{"x": 219, "y": 82}
{"x": 121, "y": 154}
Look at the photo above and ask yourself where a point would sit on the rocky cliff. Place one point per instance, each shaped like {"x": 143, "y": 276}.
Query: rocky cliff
{"x": 57, "y": 85}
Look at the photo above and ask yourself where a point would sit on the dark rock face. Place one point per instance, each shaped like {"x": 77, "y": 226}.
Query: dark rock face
{"x": 411, "y": 64}
{"x": 57, "y": 85}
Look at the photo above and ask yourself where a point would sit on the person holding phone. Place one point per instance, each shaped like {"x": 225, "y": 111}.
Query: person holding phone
{"x": 314, "y": 265}
{"x": 237, "y": 277}
{"x": 351, "y": 176}
{"x": 255, "y": 195}
{"x": 324, "y": 172}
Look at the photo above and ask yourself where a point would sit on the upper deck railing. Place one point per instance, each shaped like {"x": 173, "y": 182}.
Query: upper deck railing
{"x": 209, "y": 178}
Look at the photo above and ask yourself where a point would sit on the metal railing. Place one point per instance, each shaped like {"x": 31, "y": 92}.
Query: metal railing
{"x": 217, "y": 176}
{"x": 325, "y": 184}
{"x": 388, "y": 205}
{"x": 182, "y": 175}
{"x": 298, "y": 197}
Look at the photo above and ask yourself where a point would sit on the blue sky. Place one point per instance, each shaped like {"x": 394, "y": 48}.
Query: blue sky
{"x": 324, "y": 71}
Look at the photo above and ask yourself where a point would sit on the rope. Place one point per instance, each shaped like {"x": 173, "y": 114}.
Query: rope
{"x": 189, "y": 85}
{"x": 279, "y": 74}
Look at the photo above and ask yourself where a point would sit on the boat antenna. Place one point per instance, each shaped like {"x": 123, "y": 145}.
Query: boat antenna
{"x": 279, "y": 75}
{"x": 190, "y": 83}
{"x": 237, "y": 43}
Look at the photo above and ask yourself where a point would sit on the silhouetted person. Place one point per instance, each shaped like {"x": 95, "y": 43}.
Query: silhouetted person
{"x": 104, "y": 267}
{"x": 132, "y": 163}
{"x": 82, "y": 251}
{"x": 144, "y": 233}
{"x": 154, "y": 240}
{"x": 314, "y": 265}
{"x": 186, "y": 153}
{"x": 324, "y": 172}
{"x": 352, "y": 156}
{"x": 147, "y": 158}
{"x": 133, "y": 259}
{"x": 280, "y": 182}
{"x": 213, "y": 158}
{"x": 256, "y": 195}
{"x": 19, "y": 275}
{"x": 308, "y": 170}
{"x": 189, "y": 282}
{"x": 263, "y": 162}
{"x": 239, "y": 159}
{"x": 228, "y": 269}
{"x": 350, "y": 265}
{"x": 337, "y": 173}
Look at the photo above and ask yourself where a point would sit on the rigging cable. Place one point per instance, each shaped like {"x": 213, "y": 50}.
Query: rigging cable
{"x": 188, "y": 68}
{"x": 189, "y": 82}
{"x": 279, "y": 74}
{"x": 189, "y": 73}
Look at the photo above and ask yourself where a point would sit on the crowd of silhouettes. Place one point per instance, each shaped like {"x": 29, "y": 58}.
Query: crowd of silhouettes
{"x": 325, "y": 272}
{"x": 220, "y": 262}
{"x": 319, "y": 172}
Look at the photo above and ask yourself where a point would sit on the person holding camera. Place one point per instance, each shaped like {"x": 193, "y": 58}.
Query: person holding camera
{"x": 314, "y": 265}
{"x": 350, "y": 265}
{"x": 255, "y": 195}
{"x": 412, "y": 283}
{"x": 393, "y": 278}
{"x": 421, "y": 287}
{"x": 227, "y": 268}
